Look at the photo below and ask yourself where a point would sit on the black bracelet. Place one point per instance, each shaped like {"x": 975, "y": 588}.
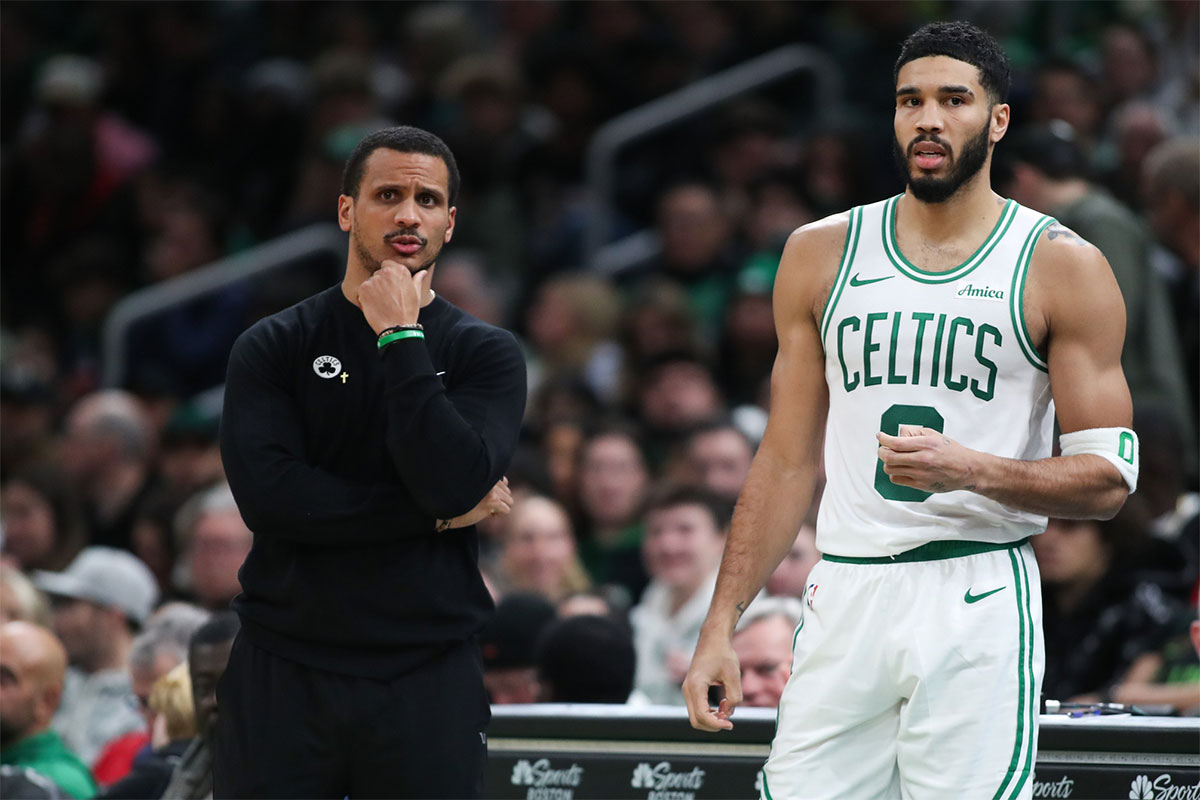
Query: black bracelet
{"x": 416, "y": 326}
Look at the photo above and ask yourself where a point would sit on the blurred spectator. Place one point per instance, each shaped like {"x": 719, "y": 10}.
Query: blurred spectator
{"x": 748, "y": 146}
{"x": 188, "y": 457}
{"x": 153, "y": 538}
{"x": 762, "y": 642}
{"x": 28, "y": 784}
{"x": 172, "y": 709}
{"x": 462, "y": 278}
{"x": 1138, "y": 127}
{"x": 560, "y": 445}
{"x": 717, "y": 456}
{"x": 43, "y": 523}
{"x": 1166, "y": 677}
{"x": 594, "y": 602}
{"x": 1129, "y": 68}
{"x": 99, "y": 602}
{"x": 677, "y": 392}
{"x": 685, "y": 535}
{"x": 613, "y": 480}
{"x": 585, "y": 659}
{"x": 75, "y": 165}
{"x": 538, "y": 553}
{"x": 1098, "y": 618}
{"x": 492, "y": 137}
{"x": 162, "y": 645}
{"x": 188, "y": 343}
{"x": 833, "y": 172}
{"x": 20, "y": 599}
{"x": 213, "y": 541}
{"x": 571, "y": 324}
{"x": 507, "y": 643}
{"x": 791, "y": 576}
{"x": 699, "y": 251}
{"x": 1048, "y": 175}
{"x": 208, "y": 655}
{"x": 1172, "y": 513}
{"x": 160, "y": 648}
{"x": 1171, "y": 187}
{"x": 107, "y": 450}
{"x": 1063, "y": 90}
{"x": 32, "y": 663}
{"x": 658, "y": 320}
{"x": 748, "y": 340}
{"x": 26, "y": 410}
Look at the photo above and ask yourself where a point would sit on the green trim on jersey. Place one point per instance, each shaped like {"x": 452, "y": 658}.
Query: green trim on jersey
{"x": 906, "y": 267}
{"x": 1026, "y": 700}
{"x": 930, "y": 551}
{"x": 1016, "y": 298}
{"x": 839, "y": 280}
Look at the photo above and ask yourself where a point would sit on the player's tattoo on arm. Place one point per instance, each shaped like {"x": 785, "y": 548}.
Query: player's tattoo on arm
{"x": 939, "y": 486}
{"x": 1056, "y": 230}
{"x": 741, "y": 608}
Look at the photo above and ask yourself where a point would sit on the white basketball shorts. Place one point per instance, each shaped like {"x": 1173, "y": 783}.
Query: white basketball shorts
{"x": 916, "y": 677}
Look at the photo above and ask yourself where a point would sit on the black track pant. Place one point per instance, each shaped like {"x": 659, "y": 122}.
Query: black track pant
{"x": 287, "y": 730}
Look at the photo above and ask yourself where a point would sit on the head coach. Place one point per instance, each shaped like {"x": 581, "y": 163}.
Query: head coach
{"x": 365, "y": 430}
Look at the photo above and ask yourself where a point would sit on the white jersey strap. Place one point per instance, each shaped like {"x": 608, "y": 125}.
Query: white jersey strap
{"x": 1117, "y": 446}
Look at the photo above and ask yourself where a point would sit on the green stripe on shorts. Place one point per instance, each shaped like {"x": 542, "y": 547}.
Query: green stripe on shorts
{"x": 931, "y": 551}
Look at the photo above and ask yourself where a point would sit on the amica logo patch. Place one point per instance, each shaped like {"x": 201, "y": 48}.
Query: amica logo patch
{"x": 973, "y": 292}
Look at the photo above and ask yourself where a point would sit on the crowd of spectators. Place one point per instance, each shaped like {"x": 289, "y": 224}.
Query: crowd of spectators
{"x": 142, "y": 142}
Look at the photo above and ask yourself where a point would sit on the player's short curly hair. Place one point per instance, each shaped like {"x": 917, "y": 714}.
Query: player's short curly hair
{"x": 965, "y": 42}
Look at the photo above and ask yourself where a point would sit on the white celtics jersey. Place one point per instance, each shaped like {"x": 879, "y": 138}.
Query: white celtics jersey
{"x": 946, "y": 350}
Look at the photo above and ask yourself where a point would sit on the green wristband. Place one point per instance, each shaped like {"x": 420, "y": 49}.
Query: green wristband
{"x": 384, "y": 341}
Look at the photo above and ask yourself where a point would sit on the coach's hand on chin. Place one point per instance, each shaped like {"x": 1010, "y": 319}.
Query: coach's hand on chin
{"x": 394, "y": 296}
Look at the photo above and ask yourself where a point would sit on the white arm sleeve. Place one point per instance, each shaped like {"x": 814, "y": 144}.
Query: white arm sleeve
{"x": 1118, "y": 446}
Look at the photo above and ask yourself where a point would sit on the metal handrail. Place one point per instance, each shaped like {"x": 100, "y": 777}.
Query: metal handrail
{"x": 683, "y": 104}
{"x": 277, "y": 253}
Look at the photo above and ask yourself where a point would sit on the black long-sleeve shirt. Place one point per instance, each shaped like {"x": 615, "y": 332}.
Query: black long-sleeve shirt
{"x": 342, "y": 458}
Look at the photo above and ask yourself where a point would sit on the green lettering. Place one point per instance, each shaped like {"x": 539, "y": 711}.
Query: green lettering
{"x": 937, "y": 349}
{"x": 1126, "y": 438}
{"x": 921, "y": 317}
{"x": 853, "y": 324}
{"x": 870, "y": 347}
{"x": 892, "y": 376}
{"x": 957, "y": 384}
{"x": 985, "y": 394}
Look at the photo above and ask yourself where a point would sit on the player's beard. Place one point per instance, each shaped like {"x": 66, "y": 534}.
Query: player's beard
{"x": 372, "y": 263}
{"x": 965, "y": 166}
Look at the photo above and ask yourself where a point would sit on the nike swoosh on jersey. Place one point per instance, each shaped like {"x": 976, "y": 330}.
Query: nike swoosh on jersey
{"x": 975, "y": 598}
{"x": 854, "y": 281}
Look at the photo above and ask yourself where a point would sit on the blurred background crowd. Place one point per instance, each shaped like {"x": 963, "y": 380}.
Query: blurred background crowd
{"x": 143, "y": 142}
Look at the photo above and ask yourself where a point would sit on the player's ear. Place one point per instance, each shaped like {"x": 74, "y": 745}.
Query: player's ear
{"x": 999, "y": 126}
{"x": 345, "y": 211}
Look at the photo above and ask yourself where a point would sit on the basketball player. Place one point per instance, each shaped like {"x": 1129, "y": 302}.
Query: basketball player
{"x": 932, "y": 337}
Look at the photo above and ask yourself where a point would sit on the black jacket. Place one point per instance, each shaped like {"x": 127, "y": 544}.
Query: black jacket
{"x": 342, "y": 457}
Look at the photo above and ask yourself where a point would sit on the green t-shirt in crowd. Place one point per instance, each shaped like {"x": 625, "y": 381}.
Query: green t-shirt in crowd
{"x": 45, "y": 753}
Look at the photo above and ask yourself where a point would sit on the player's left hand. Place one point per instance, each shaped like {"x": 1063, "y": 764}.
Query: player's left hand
{"x": 926, "y": 459}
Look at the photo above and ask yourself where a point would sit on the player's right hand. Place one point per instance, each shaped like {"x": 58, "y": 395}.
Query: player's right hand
{"x": 497, "y": 502}
{"x": 714, "y": 664}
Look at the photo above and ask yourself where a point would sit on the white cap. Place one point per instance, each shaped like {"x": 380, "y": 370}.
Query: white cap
{"x": 107, "y": 577}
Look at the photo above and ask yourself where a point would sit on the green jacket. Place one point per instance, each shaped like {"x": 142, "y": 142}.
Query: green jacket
{"x": 45, "y": 753}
